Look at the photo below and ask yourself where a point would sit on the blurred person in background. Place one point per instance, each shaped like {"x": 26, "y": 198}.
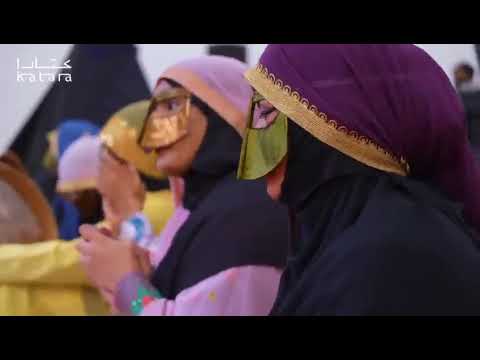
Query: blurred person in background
{"x": 59, "y": 140}
{"x": 468, "y": 86}
{"x": 38, "y": 275}
{"x": 46, "y": 278}
{"x": 223, "y": 250}
{"x": 98, "y": 69}
{"x": 367, "y": 146}
{"x": 78, "y": 171}
{"x": 239, "y": 52}
{"x": 464, "y": 77}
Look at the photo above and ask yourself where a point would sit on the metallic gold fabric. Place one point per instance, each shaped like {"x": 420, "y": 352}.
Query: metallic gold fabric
{"x": 121, "y": 136}
{"x": 167, "y": 128}
{"x": 50, "y": 159}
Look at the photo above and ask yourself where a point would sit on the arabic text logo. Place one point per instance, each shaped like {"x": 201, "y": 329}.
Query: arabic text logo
{"x": 37, "y": 72}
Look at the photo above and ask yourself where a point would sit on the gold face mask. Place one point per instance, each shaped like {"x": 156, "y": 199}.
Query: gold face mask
{"x": 167, "y": 119}
{"x": 264, "y": 144}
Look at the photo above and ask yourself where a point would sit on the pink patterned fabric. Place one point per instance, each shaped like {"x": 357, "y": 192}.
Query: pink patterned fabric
{"x": 242, "y": 291}
{"x": 159, "y": 245}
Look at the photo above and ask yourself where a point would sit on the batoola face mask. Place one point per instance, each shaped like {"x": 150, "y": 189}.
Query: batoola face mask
{"x": 167, "y": 119}
{"x": 265, "y": 141}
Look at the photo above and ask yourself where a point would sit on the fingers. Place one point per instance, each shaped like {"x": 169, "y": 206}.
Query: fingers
{"x": 105, "y": 156}
{"x": 84, "y": 259}
{"x": 110, "y": 159}
{"x": 143, "y": 257}
{"x": 91, "y": 233}
{"x": 84, "y": 247}
{"x": 107, "y": 295}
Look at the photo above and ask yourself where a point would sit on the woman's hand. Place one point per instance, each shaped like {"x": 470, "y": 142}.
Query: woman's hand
{"x": 109, "y": 297}
{"x": 122, "y": 190}
{"x": 107, "y": 260}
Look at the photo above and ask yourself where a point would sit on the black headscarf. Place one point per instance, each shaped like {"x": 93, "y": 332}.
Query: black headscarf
{"x": 232, "y": 223}
{"x": 217, "y": 156}
{"x": 368, "y": 242}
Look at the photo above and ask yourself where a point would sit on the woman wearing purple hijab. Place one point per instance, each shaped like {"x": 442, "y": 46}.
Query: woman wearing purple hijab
{"x": 366, "y": 144}
{"x": 223, "y": 250}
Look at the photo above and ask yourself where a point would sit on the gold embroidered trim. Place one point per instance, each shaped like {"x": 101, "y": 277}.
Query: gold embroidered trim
{"x": 317, "y": 123}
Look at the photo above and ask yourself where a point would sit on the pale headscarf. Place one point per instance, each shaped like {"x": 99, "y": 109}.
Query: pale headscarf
{"x": 79, "y": 165}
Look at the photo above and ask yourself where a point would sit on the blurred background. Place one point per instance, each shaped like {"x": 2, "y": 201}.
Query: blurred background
{"x": 19, "y": 100}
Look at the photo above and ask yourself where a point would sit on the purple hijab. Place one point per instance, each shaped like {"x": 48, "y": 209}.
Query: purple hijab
{"x": 395, "y": 95}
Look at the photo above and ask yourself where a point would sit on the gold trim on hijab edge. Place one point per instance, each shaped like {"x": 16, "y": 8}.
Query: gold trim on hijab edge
{"x": 328, "y": 131}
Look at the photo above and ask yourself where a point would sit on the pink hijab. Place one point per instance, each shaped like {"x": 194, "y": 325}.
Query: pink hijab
{"x": 218, "y": 81}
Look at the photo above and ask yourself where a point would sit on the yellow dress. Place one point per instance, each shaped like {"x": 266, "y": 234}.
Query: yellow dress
{"x": 46, "y": 278}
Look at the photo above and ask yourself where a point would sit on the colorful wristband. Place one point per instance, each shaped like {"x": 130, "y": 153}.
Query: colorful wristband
{"x": 133, "y": 293}
{"x": 144, "y": 297}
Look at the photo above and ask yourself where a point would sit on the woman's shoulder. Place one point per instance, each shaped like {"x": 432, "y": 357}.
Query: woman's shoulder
{"x": 407, "y": 229}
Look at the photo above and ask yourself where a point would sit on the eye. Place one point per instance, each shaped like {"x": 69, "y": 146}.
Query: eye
{"x": 266, "y": 112}
{"x": 173, "y": 104}
{"x": 263, "y": 115}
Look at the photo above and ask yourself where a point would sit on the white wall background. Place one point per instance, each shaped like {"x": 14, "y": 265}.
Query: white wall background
{"x": 18, "y": 100}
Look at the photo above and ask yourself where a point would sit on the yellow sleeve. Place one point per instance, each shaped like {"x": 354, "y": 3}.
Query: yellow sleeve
{"x": 54, "y": 262}
{"x": 50, "y": 300}
{"x": 158, "y": 209}
{"x": 46, "y": 279}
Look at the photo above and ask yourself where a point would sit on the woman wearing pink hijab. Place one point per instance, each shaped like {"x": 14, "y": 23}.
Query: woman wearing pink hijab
{"x": 224, "y": 249}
